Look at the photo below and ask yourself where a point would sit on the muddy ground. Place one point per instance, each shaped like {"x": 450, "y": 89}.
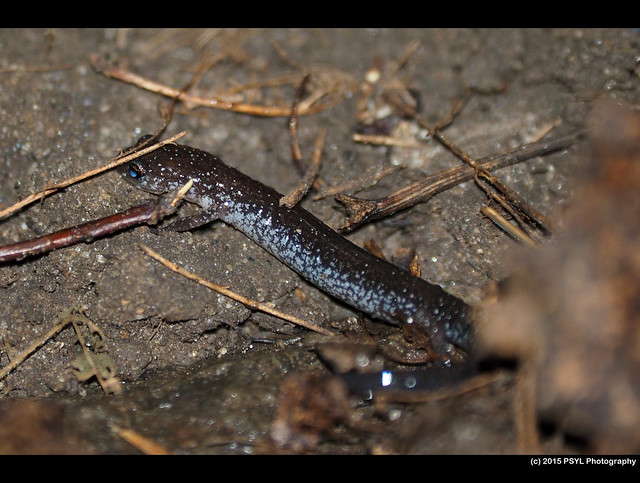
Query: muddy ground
{"x": 202, "y": 374}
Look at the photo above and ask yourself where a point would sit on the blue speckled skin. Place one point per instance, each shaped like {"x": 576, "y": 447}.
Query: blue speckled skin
{"x": 304, "y": 243}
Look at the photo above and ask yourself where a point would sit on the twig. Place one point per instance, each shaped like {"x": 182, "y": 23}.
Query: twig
{"x": 309, "y": 177}
{"x": 34, "y": 68}
{"x": 17, "y": 360}
{"x": 361, "y": 211}
{"x": 109, "y": 384}
{"x": 296, "y": 152}
{"x": 251, "y": 304}
{"x": 380, "y": 81}
{"x": 511, "y": 196}
{"x": 400, "y": 62}
{"x": 70, "y": 317}
{"x": 44, "y": 192}
{"x": 368, "y": 179}
{"x": 115, "y": 72}
{"x": 311, "y": 171}
{"x": 151, "y": 213}
{"x": 512, "y": 230}
{"x": 145, "y": 445}
{"x": 384, "y": 140}
{"x": 524, "y": 403}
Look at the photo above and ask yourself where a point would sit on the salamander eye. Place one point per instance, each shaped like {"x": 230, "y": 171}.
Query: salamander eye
{"x": 136, "y": 171}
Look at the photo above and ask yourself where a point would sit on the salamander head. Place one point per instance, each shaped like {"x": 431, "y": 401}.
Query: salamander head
{"x": 160, "y": 171}
{"x": 169, "y": 168}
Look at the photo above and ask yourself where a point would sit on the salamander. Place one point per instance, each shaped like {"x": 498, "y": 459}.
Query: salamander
{"x": 305, "y": 244}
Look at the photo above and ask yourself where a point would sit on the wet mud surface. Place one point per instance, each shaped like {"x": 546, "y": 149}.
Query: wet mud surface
{"x": 203, "y": 374}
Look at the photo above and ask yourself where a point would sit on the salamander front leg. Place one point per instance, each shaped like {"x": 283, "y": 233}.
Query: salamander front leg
{"x": 190, "y": 222}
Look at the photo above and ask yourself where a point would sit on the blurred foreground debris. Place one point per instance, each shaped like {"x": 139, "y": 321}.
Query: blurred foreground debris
{"x": 35, "y": 427}
{"x": 570, "y": 314}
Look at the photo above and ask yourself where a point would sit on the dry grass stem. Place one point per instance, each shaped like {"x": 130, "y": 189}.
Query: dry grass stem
{"x": 143, "y": 444}
{"x": 44, "y": 192}
{"x": 251, "y": 304}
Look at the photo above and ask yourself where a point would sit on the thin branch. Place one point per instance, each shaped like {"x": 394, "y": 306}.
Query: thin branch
{"x": 145, "y": 445}
{"x": 46, "y": 191}
{"x": 150, "y": 213}
{"x": 74, "y": 317}
{"x": 310, "y": 172}
{"x": 19, "y": 359}
{"x": 308, "y": 106}
{"x": 310, "y": 175}
{"x": 511, "y": 196}
{"x": 251, "y": 304}
{"x": 109, "y": 383}
{"x": 511, "y": 229}
{"x": 34, "y": 68}
{"x": 360, "y": 211}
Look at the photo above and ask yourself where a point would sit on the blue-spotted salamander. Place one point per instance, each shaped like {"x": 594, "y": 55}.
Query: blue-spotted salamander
{"x": 304, "y": 243}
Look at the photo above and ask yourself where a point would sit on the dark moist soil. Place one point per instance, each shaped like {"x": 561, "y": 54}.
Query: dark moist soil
{"x": 201, "y": 373}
